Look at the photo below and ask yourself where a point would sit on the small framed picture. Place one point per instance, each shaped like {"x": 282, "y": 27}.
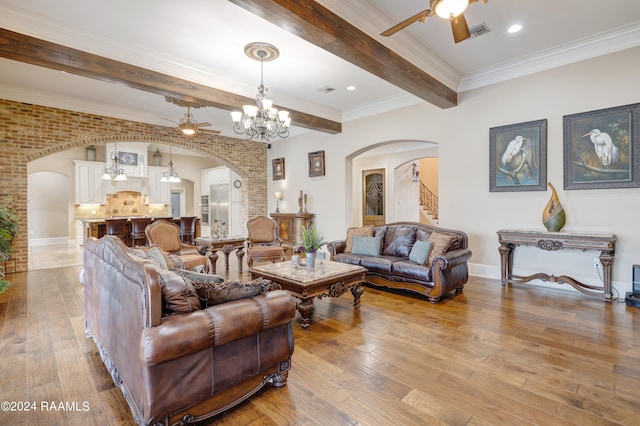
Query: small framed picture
{"x": 278, "y": 168}
{"x": 601, "y": 148}
{"x": 518, "y": 157}
{"x": 128, "y": 158}
{"x": 316, "y": 163}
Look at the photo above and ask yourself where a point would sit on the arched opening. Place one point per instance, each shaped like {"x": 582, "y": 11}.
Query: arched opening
{"x": 401, "y": 195}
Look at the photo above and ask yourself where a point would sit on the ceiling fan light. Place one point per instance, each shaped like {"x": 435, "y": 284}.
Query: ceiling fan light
{"x": 446, "y": 8}
{"x": 187, "y": 128}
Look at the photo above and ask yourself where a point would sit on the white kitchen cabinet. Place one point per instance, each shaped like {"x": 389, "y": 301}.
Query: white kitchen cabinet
{"x": 158, "y": 192}
{"x": 89, "y": 184}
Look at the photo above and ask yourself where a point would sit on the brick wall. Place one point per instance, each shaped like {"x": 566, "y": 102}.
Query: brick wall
{"x": 29, "y": 132}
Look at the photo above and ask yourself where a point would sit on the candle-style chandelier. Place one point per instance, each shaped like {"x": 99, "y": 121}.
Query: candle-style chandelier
{"x": 262, "y": 120}
{"x": 115, "y": 172}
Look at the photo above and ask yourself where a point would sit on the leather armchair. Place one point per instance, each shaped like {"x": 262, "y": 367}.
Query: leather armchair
{"x": 166, "y": 236}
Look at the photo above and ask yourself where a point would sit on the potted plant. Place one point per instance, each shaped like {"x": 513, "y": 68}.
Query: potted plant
{"x": 8, "y": 228}
{"x": 311, "y": 243}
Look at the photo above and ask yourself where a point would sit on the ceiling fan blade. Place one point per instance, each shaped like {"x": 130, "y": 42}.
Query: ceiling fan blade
{"x": 175, "y": 122}
{"x": 422, "y": 17}
{"x": 213, "y": 132}
{"x": 460, "y": 28}
{"x": 205, "y": 124}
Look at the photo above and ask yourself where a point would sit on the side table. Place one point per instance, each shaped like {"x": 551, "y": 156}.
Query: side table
{"x": 210, "y": 247}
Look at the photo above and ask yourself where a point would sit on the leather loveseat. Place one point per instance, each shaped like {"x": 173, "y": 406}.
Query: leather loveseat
{"x": 174, "y": 361}
{"x": 392, "y": 263}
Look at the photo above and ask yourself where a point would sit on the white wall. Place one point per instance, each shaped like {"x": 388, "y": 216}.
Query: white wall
{"x": 462, "y": 135}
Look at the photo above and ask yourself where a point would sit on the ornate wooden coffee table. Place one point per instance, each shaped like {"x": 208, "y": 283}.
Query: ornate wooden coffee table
{"x": 327, "y": 279}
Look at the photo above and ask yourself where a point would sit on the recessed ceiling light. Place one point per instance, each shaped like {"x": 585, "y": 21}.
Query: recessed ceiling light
{"x": 514, "y": 28}
{"x": 351, "y": 88}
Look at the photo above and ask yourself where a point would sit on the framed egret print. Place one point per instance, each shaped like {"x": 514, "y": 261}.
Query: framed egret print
{"x": 518, "y": 157}
{"x": 601, "y": 149}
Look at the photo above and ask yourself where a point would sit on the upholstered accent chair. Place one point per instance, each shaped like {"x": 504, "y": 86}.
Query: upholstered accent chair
{"x": 262, "y": 242}
{"x": 166, "y": 236}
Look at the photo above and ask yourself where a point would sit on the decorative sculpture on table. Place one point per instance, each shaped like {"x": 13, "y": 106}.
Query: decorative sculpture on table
{"x": 553, "y": 215}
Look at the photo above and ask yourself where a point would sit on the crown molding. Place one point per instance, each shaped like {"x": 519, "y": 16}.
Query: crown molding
{"x": 590, "y": 47}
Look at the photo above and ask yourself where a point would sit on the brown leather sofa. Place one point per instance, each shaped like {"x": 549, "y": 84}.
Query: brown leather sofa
{"x": 445, "y": 269}
{"x": 183, "y": 367}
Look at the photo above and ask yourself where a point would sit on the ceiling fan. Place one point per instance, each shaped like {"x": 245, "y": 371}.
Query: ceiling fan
{"x": 451, "y": 9}
{"x": 189, "y": 126}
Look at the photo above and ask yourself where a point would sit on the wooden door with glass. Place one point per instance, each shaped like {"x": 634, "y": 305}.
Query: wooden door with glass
{"x": 373, "y": 196}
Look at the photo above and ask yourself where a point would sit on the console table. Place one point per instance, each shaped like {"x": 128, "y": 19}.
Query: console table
{"x": 289, "y": 227}
{"x": 552, "y": 241}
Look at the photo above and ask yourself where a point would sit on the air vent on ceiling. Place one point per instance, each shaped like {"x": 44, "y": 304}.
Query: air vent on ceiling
{"x": 326, "y": 89}
{"x": 479, "y": 30}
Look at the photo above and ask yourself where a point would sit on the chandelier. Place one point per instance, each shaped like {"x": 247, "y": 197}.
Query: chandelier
{"x": 261, "y": 120}
{"x": 114, "y": 172}
{"x": 171, "y": 176}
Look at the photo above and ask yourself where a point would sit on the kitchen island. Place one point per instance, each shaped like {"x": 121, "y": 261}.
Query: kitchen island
{"x": 97, "y": 227}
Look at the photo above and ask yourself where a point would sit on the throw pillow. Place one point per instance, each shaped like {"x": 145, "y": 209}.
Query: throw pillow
{"x": 214, "y": 293}
{"x": 365, "y": 231}
{"x": 398, "y": 240}
{"x": 440, "y": 243}
{"x": 367, "y": 246}
{"x": 154, "y": 254}
{"x": 420, "y": 252}
{"x": 178, "y": 293}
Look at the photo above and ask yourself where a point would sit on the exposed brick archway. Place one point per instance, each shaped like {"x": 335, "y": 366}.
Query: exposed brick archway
{"x": 29, "y": 132}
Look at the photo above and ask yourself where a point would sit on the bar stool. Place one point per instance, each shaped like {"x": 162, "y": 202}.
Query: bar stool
{"x": 187, "y": 229}
{"x": 138, "y": 225}
{"x": 117, "y": 227}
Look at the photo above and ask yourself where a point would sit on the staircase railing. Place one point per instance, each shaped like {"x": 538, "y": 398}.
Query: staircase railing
{"x": 429, "y": 200}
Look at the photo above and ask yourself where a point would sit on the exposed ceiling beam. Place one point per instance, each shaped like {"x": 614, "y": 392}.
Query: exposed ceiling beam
{"x": 316, "y": 24}
{"x": 23, "y": 48}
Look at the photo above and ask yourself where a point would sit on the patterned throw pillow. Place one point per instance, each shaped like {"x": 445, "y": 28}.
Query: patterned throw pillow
{"x": 420, "y": 252}
{"x": 215, "y": 292}
{"x": 365, "y": 231}
{"x": 440, "y": 243}
{"x": 367, "y": 246}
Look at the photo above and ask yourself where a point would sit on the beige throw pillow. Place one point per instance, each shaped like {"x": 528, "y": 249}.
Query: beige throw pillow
{"x": 440, "y": 243}
{"x": 365, "y": 231}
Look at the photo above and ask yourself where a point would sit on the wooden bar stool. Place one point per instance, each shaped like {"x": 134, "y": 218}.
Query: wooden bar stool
{"x": 188, "y": 229}
{"x": 138, "y": 225}
{"x": 117, "y": 227}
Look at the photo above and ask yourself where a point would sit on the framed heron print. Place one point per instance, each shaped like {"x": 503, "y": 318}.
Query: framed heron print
{"x": 518, "y": 157}
{"x": 601, "y": 149}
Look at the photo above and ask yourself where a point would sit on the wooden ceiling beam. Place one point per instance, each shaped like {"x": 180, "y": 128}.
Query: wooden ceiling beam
{"x": 23, "y": 48}
{"x": 316, "y": 24}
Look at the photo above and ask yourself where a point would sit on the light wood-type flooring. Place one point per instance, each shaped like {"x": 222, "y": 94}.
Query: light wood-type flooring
{"x": 489, "y": 356}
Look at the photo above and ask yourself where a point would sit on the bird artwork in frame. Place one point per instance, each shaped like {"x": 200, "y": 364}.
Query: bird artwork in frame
{"x": 518, "y": 157}
{"x": 601, "y": 148}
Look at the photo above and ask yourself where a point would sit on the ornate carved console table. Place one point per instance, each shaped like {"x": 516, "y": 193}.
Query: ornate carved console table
{"x": 552, "y": 241}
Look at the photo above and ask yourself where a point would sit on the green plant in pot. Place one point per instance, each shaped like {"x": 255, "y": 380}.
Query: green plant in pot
{"x": 8, "y": 228}
{"x": 312, "y": 241}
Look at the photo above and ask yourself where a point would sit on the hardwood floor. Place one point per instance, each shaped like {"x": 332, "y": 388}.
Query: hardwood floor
{"x": 489, "y": 356}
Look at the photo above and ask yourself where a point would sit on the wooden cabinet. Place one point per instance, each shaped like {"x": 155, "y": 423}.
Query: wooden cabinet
{"x": 89, "y": 184}
{"x": 158, "y": 192}
{"x": 290, "y": 226}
